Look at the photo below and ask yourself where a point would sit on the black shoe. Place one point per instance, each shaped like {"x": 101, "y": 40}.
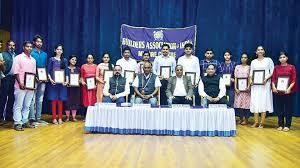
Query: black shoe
{"x": 28, "y": 125}
{"x": 18, "y": 127}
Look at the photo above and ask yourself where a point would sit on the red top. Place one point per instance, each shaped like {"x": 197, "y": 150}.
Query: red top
{"x": 288, "y": 70}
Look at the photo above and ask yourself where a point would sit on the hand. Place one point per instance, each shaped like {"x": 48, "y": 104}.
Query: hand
{"x": 188, "y": 98}
{"x": 22, "y": 87}
{"x": 52, "y": 82}
{"x": 65, "y": 83}
{"x": 160, "y": 77}
{"x": 83, "y": 83}
{"x": 209, "y": 98}
{"x": 237, "y": 91}
{"x": 288, "y": 91}
{"x": 265, "y": 81}
{"x": 113, "y": 97}
{"x": 147, "y": 97}
{"x": 216, "y": 99}
{"x": 37, "y": 79}
{"x": 275, "y": 90}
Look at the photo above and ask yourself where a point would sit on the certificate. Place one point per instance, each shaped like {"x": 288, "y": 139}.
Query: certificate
{"x": 282, "y": 83}
{"x": 74, "y": 79}
{"x": 227, "y": 79}
{"x": 129, "y": 75}
{"x": 108, "y": 74}
{"x": 42, "y": 74}
{"x": 192, "y": 75}
{"x": 242, "y": 84}
{"x": 90, "y": 83}
{"x": 165, "y": 72}
{"x": 258, "y": 77}
{"x": 29, "y": 82}
{"x": 59, "y": 76}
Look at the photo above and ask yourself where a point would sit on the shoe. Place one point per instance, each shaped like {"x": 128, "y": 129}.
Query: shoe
{"x": 261, "y": 126}
{"x": 42, "y": 122}
{"x": 67, "y": 120}
{"x": 279, "y": 128}
{"x": 286, "y": 129}
{"x": 60, "y": 121}
{"x": 74, "y": 119}
{"x": 18, "y": 127}
{"x": 2, "y": 122}
{"x": 54, "y": 122}
{"x": 244, "y": 122}
{"x": 254, "y": 125}
{"x": 28, "y": 125}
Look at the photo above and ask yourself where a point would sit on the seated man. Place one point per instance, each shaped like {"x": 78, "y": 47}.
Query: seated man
{"x": 179, "y": 89}
{"x": 146, "y": 86}
{"x": 117, "y": 88}
{"x": 212, "y": 87}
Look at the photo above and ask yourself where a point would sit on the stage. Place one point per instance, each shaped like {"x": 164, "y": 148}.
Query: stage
{"x": 68, "y": 145}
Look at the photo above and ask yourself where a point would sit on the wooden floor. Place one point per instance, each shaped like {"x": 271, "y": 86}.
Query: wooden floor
{"x": 68, "y": 145}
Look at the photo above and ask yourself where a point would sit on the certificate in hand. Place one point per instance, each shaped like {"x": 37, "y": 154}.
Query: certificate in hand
{"x": 42, "y": 74}
{"x": 108, "y": 74}
{"x": 282, "y": 83}
{"x": 90, "y": 83}
{"x": 74, "y": 79}
{"x": 29, "y": 81}
{"x": 258, "y": 77}
{"x": 192, "y": 75}
{"x": 59, "y": 76}
{"x": 242, "y": 84}
{"x": 165, "y": 72}
{"x": 227, "y": 79}
{"x": 129, "y": 75}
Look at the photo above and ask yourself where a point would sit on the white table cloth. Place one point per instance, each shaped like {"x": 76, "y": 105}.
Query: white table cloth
{"x": 160, "y": 121}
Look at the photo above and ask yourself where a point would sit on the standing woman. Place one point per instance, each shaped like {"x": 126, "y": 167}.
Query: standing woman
{"x": 261, "y": 95}
{"x": 73, "y": 102}
{"x": 242, "y": 98}
{"x": 104, "y": 65}
{"x": 284, "y": 100}
{"x": 57, "y": 93}
{"x": 146, "y": 58}
{"x": 88, "y": 70}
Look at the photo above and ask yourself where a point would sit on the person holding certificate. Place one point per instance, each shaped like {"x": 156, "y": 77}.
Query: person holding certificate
{"x": 57, "y": 88}
{"x": 227, "y": 68}
{"x": 40, "y": 57}
{"x": 242, "y": 90}
{"x": 88, "y": 71}
{"x": 74, "y": 101}
{"x": 164, "y": 67}
{"x": 190, "y": 64}
{"x": 146, "y": 86}
{"x": 284, "y": 86}
{"x": 117, "y": 88}
{"x": 261, "y": 70}
{"x": 100, "y": 72}
{"x": 212, "y": 87}
{"x": 23, "y": 64}
{"x": 146, "y": 58}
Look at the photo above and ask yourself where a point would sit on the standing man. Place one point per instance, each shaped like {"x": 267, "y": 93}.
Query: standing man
{"x": 209, "y": 54}
{"x": 190, "y": 63}
{"x": 164, "y": 60}
{"x": 23, "y": 63}
{"x": 7, "y": 83}
{"x": 40, "y": 57}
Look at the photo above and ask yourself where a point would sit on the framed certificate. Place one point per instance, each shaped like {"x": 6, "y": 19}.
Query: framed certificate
{"x": 108, "y": 74}
{"x": 242, "y": 84}
{"x": 192, "y": 75}
{"x": 129, "y": 75}
{"x": 165, "y": 72}
{"x": 74, "y": 79}
{"x": 29, "y": 81}
{"x": 59, "y": 76}
{"x": 42, "y": 74}
{"x": 227, "y": 79}
{"x": 258, "y": 77}
{"x": 90, "y": 83}
{"x": 282, "y": 83}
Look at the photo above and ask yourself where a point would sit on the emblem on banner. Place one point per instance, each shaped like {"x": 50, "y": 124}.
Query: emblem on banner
{"x": 158, "y": 35}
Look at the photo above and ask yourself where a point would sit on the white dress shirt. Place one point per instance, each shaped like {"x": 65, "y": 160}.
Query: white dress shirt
{"x": 122, "y": 94}
{"x": 179, "y": 88}
{"x": 190, "y": 64}
{"x": 129, "y": 64}
{"x": 164, "y": 61}
{"x": 136, "y": 81}
{"x": 222, "y": 88}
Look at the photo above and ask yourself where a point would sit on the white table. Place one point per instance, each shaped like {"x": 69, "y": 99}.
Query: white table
{"x": 160, "y": 121}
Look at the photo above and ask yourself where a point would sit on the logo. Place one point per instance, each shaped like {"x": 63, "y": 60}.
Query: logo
{"x": 158, "y": 35}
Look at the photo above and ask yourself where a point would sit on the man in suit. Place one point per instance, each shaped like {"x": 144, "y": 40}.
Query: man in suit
{"x": 7, "y": 83}
{"x": 179, "y": 89}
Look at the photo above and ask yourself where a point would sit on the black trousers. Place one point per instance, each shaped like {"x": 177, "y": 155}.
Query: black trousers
{"x": 181, "y": 100}
{"x": 284, "y": 106}
{"x": 243, "y": 113}
{"x": 163, "y": 96}
{"x": 7, "y": 97}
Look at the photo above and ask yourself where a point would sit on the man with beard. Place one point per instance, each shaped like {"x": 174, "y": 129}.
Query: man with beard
{"x": 117, "y": 88}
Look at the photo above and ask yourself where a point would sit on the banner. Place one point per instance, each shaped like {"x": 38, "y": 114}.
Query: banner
{"x": 140, "y": 39}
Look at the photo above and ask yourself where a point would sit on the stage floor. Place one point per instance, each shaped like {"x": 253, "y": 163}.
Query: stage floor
{"x": 68, "y": 145}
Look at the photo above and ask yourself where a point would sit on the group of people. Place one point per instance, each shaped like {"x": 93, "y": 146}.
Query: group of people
{"x": 209, "y": 83}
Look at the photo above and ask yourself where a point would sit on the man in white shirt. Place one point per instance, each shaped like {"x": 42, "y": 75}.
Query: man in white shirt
{"x": 213, "y": 87}
{"x": 164, "y": 60}
{"x": 146, "y": 86}
{"x": 126, "y": 62}
{"x": 191, "y": 66}
{"x": 179, "y": 90}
